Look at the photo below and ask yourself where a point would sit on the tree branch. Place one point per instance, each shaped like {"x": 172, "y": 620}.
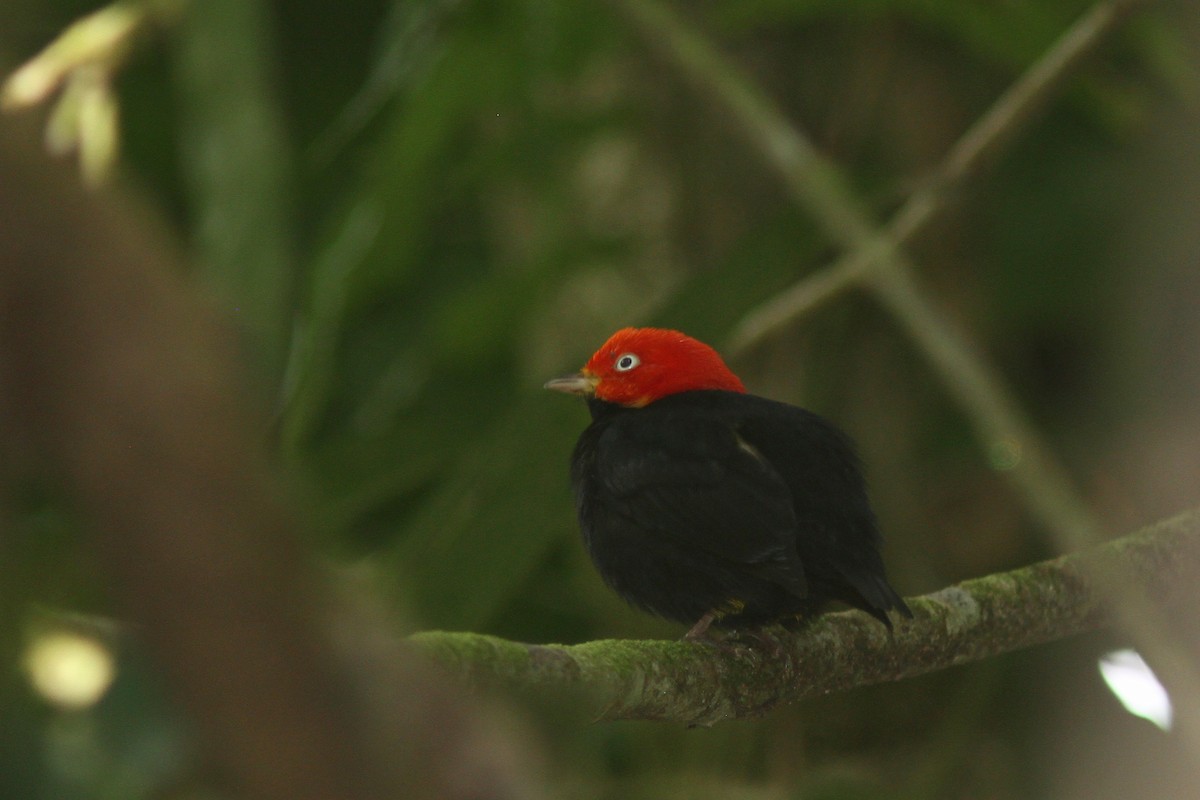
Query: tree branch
{"x": 815, "y": 183}
{"x": 981, "y": 144}
{"x": 698, "y": 684}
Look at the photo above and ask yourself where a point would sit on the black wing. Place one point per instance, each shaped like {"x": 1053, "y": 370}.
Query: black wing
{"x": 691, "y": 478}
{"x": 836, "y": 525}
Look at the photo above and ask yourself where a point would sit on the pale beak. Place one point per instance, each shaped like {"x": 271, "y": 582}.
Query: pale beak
{"x": 580, "y": 384}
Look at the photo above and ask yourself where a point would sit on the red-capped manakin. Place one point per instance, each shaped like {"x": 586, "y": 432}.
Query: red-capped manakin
{"x": 704, "y": 504}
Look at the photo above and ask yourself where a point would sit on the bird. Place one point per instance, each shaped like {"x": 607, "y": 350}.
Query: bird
{"x": 704, "y": 504}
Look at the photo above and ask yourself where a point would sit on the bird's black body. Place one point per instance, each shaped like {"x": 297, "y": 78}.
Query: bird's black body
{"x": 720, "y": 501}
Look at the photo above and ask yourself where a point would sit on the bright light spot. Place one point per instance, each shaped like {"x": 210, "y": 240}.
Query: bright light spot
{"x": 1130, "y": 679}
{"x": 69, "y": 669}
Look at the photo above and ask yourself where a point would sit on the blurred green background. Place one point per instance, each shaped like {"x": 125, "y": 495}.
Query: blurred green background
{"x": 417, "y": 212}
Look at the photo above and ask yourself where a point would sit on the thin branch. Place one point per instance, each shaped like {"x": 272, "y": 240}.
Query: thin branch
{"x": 1041, "y": 480}
{"x": 999, "y": 424}
{"x": 699, "y": 684}
{"x": 816, "y": 184}
{"x": 781, "y": 311}
{"x": 1012, "y": 113}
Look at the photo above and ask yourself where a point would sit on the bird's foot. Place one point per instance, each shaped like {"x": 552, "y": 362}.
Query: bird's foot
{"x": 703, "y": 633}
{"x": 763, "y": 639}
{"x": 699, "y": 631}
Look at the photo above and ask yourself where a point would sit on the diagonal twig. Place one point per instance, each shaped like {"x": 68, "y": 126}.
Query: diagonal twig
{"x": 1012, "y": 113}
{"x": 815, "y": 183}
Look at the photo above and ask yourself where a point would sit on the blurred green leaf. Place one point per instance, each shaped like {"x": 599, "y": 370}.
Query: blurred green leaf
{"x": 238, "y": 163}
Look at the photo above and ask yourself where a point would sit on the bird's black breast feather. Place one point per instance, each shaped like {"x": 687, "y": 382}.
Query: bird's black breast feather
{"x": 685, "y": 474}
{"x": 707, "y": 496}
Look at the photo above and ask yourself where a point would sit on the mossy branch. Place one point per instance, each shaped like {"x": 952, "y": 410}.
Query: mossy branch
{"x": 699, "y": 684}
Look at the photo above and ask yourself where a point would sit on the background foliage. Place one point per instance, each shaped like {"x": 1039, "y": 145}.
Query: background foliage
{"x": 418, "y": 212}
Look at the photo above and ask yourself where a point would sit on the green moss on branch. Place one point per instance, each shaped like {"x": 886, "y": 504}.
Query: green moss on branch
{"x": 699, "y": 684}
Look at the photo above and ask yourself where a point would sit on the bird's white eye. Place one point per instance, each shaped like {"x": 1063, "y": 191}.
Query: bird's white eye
{"x": 627, "y": 362}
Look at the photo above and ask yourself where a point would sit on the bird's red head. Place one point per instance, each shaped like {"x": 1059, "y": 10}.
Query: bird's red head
{"x": 637, "y": 366}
